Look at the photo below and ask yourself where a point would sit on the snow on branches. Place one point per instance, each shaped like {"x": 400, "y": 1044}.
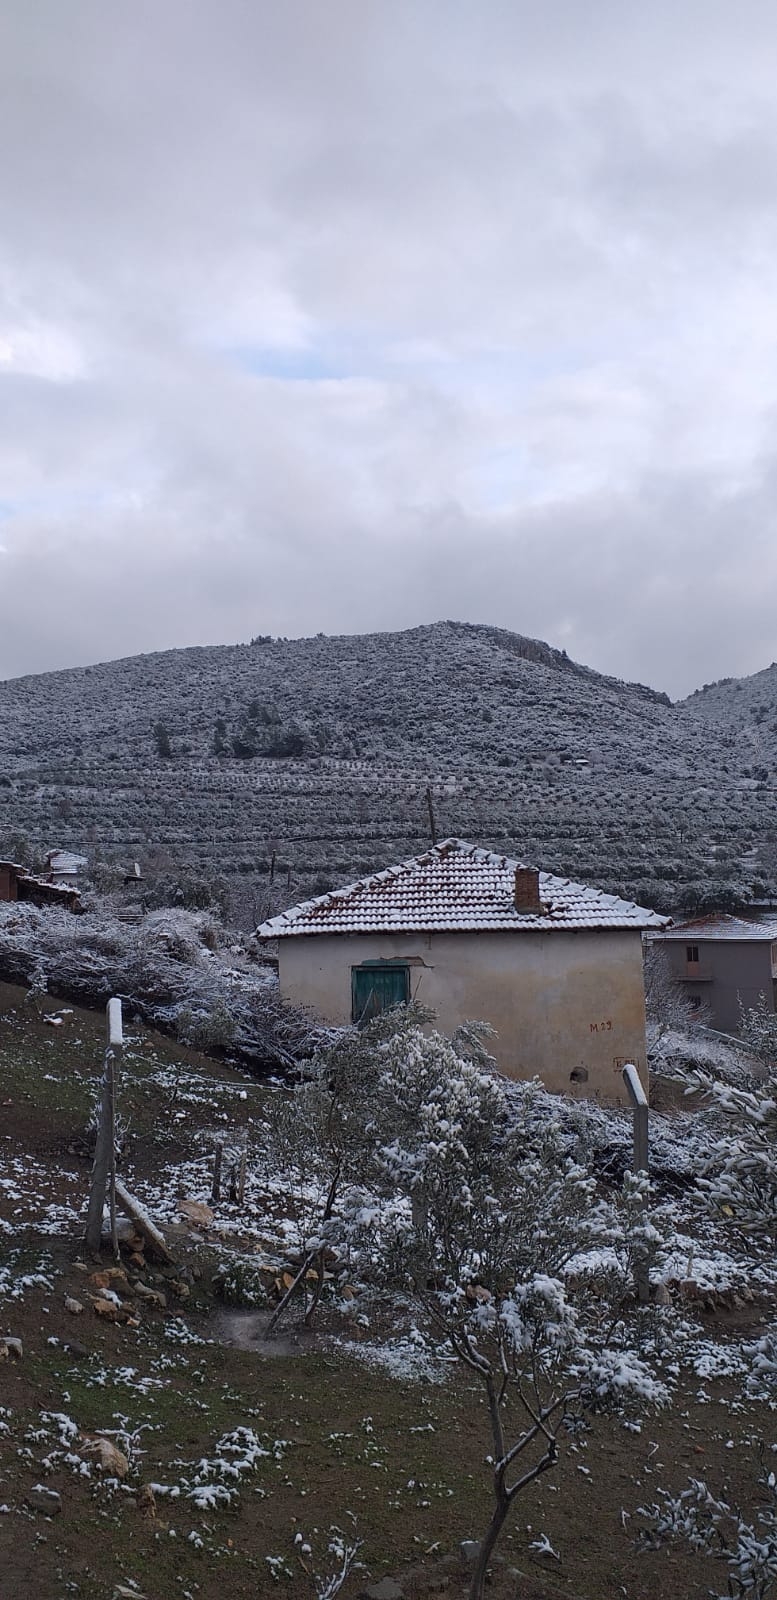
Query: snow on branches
{"x": 174, "y": 968}
{"x": 450, "y": 1189}
{"x": 716, "y": 1528}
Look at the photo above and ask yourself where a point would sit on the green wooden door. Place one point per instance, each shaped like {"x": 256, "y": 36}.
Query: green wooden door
{"x": 377, "y": 988}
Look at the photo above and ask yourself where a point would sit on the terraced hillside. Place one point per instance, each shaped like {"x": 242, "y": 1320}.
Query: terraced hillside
{"x": 282, "y": 767}
{"x": 746, "y": 707}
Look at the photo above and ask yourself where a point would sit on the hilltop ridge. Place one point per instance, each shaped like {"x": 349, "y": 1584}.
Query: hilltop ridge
{"x": 211, "y": 761}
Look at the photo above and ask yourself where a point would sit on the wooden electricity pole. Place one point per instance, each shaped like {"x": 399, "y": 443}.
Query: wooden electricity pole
{"x": 430, "y": 808}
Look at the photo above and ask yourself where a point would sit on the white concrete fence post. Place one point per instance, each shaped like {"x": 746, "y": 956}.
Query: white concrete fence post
{"x": 640, "y": 1161}
{"x": 104, "y": 1168}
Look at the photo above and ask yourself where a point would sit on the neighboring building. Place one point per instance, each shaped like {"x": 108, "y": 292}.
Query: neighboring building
{"x": 16, "y": 883}
{"x": 722, "y": 961}
{"x": 555, "y": 967}
{"x": 62, "y": 866}
{"x": 10, "y": 873}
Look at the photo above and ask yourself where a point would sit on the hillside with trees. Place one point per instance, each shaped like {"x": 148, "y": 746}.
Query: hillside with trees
{"x": 746, "y": 707}
{"x": 261, "y": 773}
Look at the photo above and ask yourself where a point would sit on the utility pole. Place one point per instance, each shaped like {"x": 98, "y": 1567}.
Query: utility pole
{"x": 430, "y": 808}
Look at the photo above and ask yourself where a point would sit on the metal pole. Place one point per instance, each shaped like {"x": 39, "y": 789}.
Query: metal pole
{"x": 640, "y": 1162}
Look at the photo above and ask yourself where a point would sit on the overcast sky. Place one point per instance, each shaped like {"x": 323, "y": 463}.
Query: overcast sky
{"x": 349, "y": 316}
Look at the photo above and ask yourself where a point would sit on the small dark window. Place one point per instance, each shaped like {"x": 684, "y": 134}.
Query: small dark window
{"x": 692, "y": 952}
{"x": 695, "y": 1000}
{"x": 377, "y": 987}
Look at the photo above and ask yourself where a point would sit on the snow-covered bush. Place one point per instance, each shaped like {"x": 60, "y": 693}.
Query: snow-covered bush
{"x": 667, "y": 1004}
{"x": 341, "y": 1549}
{"x": 212, "y": 1031}
{"x": 715, "y": 1528}
{"x": 740, "y": 1177}
{"x": 447, "y": 1187}
{"x": 238, "y": 1283}
{"x": 683, "y": 1051}
{"x": 758, "y": 1028}
{"x": 166, "y": 969}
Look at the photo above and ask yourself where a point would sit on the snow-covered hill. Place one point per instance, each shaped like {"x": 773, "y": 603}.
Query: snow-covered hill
{"x": 746, "y": 707}
{"x": 317, "y": 752}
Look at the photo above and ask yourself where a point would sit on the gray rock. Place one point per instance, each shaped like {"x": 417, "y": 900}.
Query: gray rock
{"x": 469, "y": 1550}
{"x": 39, "y": 1498}
{"x": 75, "y": 1348}
{"x": 386, "y": 1589}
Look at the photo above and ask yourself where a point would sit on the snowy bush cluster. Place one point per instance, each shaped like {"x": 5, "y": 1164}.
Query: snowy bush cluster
{"x": 746, "y": 1545}
{"x": 740, "y": 1175}
{"x": 260, "y": 774}
{"x": 444, "y": 1186}
{"x": 173, "y": 968}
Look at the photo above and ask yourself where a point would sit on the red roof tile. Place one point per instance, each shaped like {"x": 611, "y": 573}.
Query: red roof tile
{"x": 455, "y": 887}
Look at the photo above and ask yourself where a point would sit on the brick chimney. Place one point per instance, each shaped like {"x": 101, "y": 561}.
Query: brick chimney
{"x": 527, "y": 891}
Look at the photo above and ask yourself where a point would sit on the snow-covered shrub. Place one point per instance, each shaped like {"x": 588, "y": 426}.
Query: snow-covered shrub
{"x": 667, "y": 1004}
{"x": 343, "y": 1549}
{"x": 758, "y": 1027}
{"x": 715, "y": 1528}
{"x": 212, "y": 1030}
{"x": 448, "y": 1187}
{"x": 238, "y": 1283}
{"x": 167, "y": 970}
{"x": 680, "y": 1052}
{"x": 740, "y": 1177}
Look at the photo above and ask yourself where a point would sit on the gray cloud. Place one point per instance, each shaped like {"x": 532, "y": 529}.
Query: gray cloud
{"x": 348, "y": 318}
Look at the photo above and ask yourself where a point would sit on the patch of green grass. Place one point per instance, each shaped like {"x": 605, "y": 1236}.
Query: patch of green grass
{"x": 164, "y": 1090}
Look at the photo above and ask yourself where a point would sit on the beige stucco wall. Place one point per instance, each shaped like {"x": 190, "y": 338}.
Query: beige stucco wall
{"x": 562, "y": 1003}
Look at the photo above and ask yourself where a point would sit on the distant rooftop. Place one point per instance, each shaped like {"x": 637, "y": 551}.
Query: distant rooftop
{"x": 719, "y": 925}
{"x": 65, "y": 861}
{"x": 455, "y": 887}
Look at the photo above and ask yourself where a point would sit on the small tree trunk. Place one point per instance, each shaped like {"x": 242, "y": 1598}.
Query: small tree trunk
{"x": 488, "y": 1545}
{"x": 309, "y": 1259}
{"x": 289, "y": 1295}
{"x": 317, "y": 1290}
{"x": 215, "y": 1192}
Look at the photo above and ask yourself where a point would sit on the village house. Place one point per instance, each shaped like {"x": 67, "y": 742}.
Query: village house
{"x": 554, "y": 966}
{"x": 723, "y": 963}
{"x": 16, "y": 883}
{"x": 64, "y": 866}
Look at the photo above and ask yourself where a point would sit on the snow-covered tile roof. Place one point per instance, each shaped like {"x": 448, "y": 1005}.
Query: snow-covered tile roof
{"x": 722, "y": 926}
{"x": 65, "y": 861}
{"x": 455, "y": 887}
